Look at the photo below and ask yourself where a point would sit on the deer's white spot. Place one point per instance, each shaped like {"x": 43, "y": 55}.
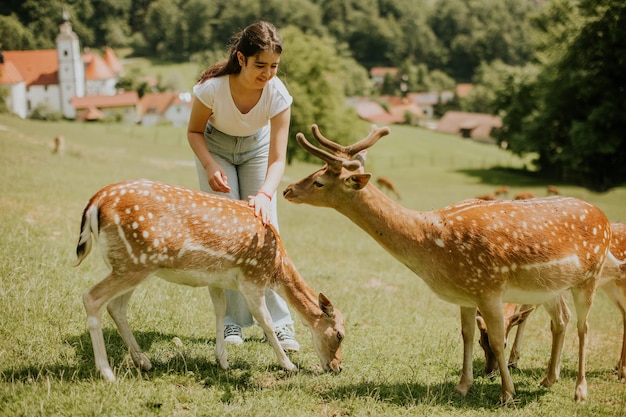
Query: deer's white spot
{"x": 439, "y": 243}
{"x": 116, "y": 218}
{"x": 135, "y": 225}
{"x": 145, "y": 234}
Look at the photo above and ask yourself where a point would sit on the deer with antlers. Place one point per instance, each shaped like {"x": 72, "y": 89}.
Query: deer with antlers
{"x": 612, "y": 282}
{"x": 193, "y": 238}
{"x": 476, "y": 253}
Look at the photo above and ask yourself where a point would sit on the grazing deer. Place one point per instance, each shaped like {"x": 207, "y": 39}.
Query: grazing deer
{"x": 525, "y": 195}
{"x": 502, "y": 191}
{"x": 198, "y": 239}
{"x": 514, "y": 315}
{"x": 487, "y": 197}
{"x": 553, "y": 190}
{"x": 612, "y": 282}
{"x": 476, "y": 254}
{"x": 386, "y": 184}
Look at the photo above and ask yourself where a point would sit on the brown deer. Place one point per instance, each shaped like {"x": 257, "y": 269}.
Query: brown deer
{"x": 476, "y": 254}
{"x": 387, "y": 184}
{"x": 193, "y": 238}
{"x": 553, "y": 190}
{"x": 525, "y": 195}
{"x": 612, "y": 282}
{"x": 502, "y": 191}
{"x": 514, "y": 315}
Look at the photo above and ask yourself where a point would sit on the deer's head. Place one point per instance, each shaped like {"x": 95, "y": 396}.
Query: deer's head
{"x": 342, "y": 175}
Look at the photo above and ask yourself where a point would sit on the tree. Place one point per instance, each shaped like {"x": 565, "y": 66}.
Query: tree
{"x": 312, "y": 70}
{"x": 14, "y": 35}
{"x": 572, "y": 113}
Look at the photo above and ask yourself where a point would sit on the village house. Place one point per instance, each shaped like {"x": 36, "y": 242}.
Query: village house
{"x": 170, "y": 106}
{"x": 55, "y": 77}
{"x": 469, "y": 125}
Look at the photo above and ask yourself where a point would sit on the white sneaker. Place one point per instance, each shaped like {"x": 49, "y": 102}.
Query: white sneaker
{"x": 287, "y": 339}
{"x": 233, "y": 335}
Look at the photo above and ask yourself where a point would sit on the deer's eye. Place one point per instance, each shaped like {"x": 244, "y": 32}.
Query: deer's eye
{"x": 318, "y": 184}
{"x": 339, "y": 337}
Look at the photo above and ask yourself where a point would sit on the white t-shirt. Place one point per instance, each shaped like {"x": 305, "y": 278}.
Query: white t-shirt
{"x": 215, "y": 94}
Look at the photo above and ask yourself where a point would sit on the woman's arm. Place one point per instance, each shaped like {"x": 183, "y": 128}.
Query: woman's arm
{"x": 198, "y": 119}
{"x": 279, "y": 136}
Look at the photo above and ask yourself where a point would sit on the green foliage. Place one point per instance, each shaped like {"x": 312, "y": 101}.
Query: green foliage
{"x": 441, "y": 34}
{"x": 14, "y": 35}
{"x": 571, "y": 114}
{"x": 314, "y": 75}
{"x": 43, "y": 111}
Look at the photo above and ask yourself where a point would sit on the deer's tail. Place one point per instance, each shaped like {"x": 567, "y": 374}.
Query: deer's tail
{"x": 88, "y": 230}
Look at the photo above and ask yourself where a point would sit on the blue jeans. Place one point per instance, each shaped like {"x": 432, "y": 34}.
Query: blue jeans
{"x": 244, "y": 160}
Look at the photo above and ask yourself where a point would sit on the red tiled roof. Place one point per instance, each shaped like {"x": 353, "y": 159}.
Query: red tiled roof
{"x": 9, "y": 74}
{"x": 37, "y": 67}
{"x": 463, "y": 89}
{"x": 156, "y": 103}
{"x": 111, "y": 60}
{"x": 381, "y": 71}
{"x": 97, "y": 68}
{"x": 119, "y": 100}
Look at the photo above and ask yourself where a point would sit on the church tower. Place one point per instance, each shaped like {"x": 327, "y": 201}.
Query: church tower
{"x": 71, "y": 68}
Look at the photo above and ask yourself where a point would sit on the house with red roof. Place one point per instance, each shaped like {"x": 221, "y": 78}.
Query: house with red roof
{"x": 56, "y": 77}
{"x": 174, "y": 108}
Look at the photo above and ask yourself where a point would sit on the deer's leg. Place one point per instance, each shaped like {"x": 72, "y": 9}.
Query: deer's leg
{"x": 94, "y": 299}
{"x": 583, "y": 299}
{"x": 468, "y": 320}
{"x": 218, "y": 297}
{"x": 118, "y": 310}
{"x": 559, "y": 315}
{"x": 255, "y": 299}
{"x": 616, "y": 291}
{"x": 517, "y": 345}
{"x": 494, "y": 317}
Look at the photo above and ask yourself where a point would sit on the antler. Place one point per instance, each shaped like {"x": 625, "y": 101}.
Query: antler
{"x": 342, "y": 156}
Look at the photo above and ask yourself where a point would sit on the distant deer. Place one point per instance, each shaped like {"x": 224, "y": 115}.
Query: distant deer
{"x": 387, "y": 184}
{"x": 198, "y": 239}
{"x": 58, "y": 145}
{"x": 612, "y": 282}
{"x": 476, "y": 254}
{"x": 525, "y": 195}
{"x": 502, "y": 191}
{"x": 487, "y": 197}
{"x": 553, "y": 190}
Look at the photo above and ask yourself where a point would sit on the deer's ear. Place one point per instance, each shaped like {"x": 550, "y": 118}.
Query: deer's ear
{"x": 358, "y": 181}
{"x": 326, "y": 306}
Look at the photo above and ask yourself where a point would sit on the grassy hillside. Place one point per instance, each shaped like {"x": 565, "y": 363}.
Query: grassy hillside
{"x": 402, "y": 354}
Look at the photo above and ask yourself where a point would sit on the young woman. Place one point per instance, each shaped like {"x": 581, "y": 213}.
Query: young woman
{"x": 238, "y": 130}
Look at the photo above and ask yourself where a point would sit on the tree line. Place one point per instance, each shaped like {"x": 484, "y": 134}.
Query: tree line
{"x": 552, "y": 69}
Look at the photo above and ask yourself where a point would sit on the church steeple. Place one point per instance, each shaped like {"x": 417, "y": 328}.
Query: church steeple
{"x": 71, "y": 68}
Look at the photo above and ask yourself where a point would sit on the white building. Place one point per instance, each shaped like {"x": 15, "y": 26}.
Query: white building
{"x": 54, "y": 76}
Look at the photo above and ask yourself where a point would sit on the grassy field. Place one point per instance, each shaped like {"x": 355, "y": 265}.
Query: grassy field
{"x": 402, "y": 354}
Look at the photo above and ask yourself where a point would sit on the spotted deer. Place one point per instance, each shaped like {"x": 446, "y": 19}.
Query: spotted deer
{"x": 515, "y": 315}
{"x": 612, "y": 282}
{"x": 193, "y": 238}
{"x": 476, "y": 253}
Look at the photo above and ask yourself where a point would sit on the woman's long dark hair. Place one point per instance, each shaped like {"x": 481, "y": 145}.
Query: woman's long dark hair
{"x": 254, "y": 39}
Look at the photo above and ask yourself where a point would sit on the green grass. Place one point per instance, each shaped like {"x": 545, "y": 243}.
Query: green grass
{"x": 402, "y": 354}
